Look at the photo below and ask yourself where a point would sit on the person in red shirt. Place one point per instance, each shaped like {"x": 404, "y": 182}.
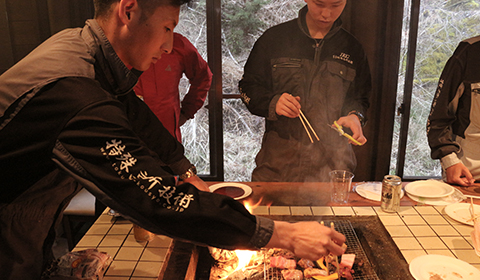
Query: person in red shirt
{"x": 158, "y": 86}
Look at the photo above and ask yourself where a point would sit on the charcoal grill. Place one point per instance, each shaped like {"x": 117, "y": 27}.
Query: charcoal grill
{"x": 365, "y": 272}
{"x": 366, "y": 237}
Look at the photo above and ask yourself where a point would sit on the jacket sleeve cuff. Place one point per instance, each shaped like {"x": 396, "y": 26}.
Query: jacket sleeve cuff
{"x": 449, "y": 160}
{"x": 272, "y": 114}
{"x": 180, "y": 166}
{"x": 360, "y": 115}
{"x": 263, "y": 232}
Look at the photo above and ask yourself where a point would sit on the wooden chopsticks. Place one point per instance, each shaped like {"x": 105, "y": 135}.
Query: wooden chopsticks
{"x": 332, "y": 226}
{"x": 327, "y": 263}
{"x": 473, "y": 210}
{"x": 304, "y": 121}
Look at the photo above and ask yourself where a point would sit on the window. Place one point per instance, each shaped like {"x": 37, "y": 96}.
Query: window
{"x": 224, "y": 32}
{"x": 195, "y": 132}
{"x": 438, "y": 26}
{"x": 242, "y": 23}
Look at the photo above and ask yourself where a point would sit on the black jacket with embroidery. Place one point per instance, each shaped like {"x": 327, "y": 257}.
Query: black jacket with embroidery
{"x": 68, "y": 109}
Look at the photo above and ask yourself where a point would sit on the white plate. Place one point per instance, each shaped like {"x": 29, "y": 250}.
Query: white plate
{"x": 447, "y": 268}
{"x": 372, "y": 190}
{"x": 233, "y": 190}
{"x": 455, "y": 197}
{"x": 460, "y": 212}
{"x": 429, "y": 189}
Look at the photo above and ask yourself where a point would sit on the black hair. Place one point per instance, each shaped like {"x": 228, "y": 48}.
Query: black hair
{"x": 103, "y": 7}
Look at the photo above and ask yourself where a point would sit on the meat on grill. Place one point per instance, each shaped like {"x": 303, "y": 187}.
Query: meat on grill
{"x": 282, "y": 263}
{"x": 292, "y": 274}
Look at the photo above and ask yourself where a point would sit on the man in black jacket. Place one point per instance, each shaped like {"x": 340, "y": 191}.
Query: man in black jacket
{"x": 68, "y": 114}
{"x": 314, "y": 65}
{"x": 453, "y": 124}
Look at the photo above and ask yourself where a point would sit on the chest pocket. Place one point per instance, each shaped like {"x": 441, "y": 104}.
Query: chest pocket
{"x": 330, "y": 86}
{"x": 341, "y": 71}
{"x": 288, "y": 74}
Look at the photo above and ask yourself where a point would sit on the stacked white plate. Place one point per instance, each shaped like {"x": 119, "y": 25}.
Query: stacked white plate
{"x": 433, "y": 192}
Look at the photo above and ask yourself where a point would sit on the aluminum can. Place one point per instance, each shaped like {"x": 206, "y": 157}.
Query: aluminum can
{"x": 391, "y": 191}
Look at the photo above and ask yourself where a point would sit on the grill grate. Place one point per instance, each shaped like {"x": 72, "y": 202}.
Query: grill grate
{"x": 366, "y": 272}
{"x": 273, "y": 274}
{"x": 354, "y": 247}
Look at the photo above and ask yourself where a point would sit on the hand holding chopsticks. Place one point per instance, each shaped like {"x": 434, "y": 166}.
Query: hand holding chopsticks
{"x": 332, "y": 226}
{"x": 287, "y": 105}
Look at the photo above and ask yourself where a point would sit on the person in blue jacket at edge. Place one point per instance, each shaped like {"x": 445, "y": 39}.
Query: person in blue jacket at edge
{"x": 453, "y": 122}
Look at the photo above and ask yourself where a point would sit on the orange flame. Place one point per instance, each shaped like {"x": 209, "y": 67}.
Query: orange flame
{"x": 244, "y": 256}
{"x": 250, "y": 206}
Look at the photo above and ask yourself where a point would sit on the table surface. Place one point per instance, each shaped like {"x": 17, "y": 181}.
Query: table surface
{"x": 416, "y": 229}
{"x": 315, "y": 194}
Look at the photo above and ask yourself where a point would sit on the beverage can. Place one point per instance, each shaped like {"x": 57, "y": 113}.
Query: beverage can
{"x": 391, "y": 192}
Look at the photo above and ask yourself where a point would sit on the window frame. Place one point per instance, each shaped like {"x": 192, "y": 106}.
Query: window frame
{"x": 404, "y": 109}
{"x": 215, "y": 95}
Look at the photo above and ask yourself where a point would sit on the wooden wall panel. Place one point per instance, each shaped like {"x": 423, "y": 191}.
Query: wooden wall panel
{"x": 6, "y": 55}
{"x": 27, "y": 23}
{"x": 24, "y": 27}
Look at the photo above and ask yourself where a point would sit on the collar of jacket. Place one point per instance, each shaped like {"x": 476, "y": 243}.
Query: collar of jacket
{"x": 302, "y": 24}
{"x": 74, "y": 52}
{"x": 120, "y": 79}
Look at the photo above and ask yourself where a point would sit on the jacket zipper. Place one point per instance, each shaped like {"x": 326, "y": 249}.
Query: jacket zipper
{"x": 318, "y": 51}
{"x": 287, "y": 65}
{"x": 316, "y": 59}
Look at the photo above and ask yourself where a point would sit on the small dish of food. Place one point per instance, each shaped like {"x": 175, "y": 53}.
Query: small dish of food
{"x": 233, "y": 190}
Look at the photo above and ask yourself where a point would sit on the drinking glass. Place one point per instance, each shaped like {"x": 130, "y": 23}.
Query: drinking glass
{"x": 341, "y": 182}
